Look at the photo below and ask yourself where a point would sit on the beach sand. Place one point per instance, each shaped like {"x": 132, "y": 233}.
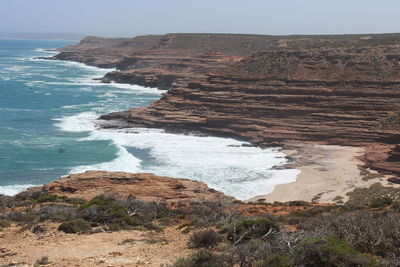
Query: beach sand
{"x": 327, "y": 171}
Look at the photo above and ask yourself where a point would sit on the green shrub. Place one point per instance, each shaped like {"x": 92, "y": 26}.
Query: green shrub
{"x": 364, "y": 196}
{"x": 276, "y": 260}
{"x": 331, "y": 252}
{"x": 38, "y": 229}
{"x": 368, "y": 175}
{"x": 103, "y": 211}
{"x": 47, "y": 198}
{"x": 299, "y": 216}
{"x": 338, "y": 200}
{"x": 252, "y": 251}
{"x": 4, "y": 223}
{"x": 208, "y": 213}
{"x": 56, "y": 212}
{"x": 367, "y": 231}
{"x": 147, "y": 211}
{"x": 60, "y": 199}
{"x": 5, "y": 201}
{"x": 204, "y": 239}
{"x": 22, "y": 217}
{"x": 298, "y": 203}
{"x": 203, "y": 258}
{"x": 127, "y": 241}
{"x": 380, "y": 202}
{"x": 75, "y": 201}
{"x": 42, "y": 261}
{"x": 75, "y": 226}
{"x": 253, "y": 228}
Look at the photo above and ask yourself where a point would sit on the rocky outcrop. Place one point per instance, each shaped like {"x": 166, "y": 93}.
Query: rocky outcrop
{"x": 144, "y": 186}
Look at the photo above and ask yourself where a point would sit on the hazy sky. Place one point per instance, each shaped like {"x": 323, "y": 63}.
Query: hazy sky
{"x": 133, "y": 17}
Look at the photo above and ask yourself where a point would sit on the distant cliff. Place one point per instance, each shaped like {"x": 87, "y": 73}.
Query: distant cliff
{"x": 267, "y": 89}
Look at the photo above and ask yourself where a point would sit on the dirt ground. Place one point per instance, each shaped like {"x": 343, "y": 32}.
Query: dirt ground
{"x": 123, "y": 248}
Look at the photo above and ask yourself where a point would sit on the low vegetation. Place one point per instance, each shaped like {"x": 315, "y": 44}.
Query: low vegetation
{"x": 361, "y": 232}
{"x": 360, "y": 197}
{"x": 368, "y": 175}
{"x": 42, "y": 261}
{"x": 4, "y": 224}
{"x": 204, "y": 239}
{"x": 75, "y": 226}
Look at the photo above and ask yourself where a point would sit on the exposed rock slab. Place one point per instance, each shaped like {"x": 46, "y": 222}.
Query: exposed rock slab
{"x": 143, "y": 186}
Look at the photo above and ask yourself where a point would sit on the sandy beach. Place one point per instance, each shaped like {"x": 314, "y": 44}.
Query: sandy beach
{"x": 327, "y": 171}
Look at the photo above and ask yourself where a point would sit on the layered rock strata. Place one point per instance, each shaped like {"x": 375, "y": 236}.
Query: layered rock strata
{"x": 270, "y": 90}
{"x": 332, "y": 96}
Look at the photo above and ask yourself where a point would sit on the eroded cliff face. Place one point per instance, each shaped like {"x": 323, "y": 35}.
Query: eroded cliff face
{"x": 323, "y": 89}
{"x": 106, "y": 52}
{"x": 165, "y": 69}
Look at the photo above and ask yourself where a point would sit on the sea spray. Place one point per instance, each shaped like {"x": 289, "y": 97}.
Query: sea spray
{"x": 225, "y": 164}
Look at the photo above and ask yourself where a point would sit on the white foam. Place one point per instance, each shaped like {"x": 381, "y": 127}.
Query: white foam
{"x": 11, "y": 190}
{"x": 125, "y": 162}
{"x": 90, "y": 104}
{"x": 73, "y": 64}
{"x": 138, "y": 88}
{"x": 86, "y": 122}
{"x": 18, "y": 109}
{"x": 96, "y": 72}
{"x": 16, "y": 68}
{"x": 51, "y": 76}
{"x": 115, "y": 88}
{"x": 81, "y": 122}
{"x": 42, "y": 50}
{"x": 82, "y": 66}
{"x": 222, "y": 163}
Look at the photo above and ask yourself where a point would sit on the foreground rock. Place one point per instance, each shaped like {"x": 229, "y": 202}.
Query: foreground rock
{"x": 144, "y": 186}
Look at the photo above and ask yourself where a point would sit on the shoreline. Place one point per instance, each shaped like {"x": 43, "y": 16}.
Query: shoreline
{"x": 327, "y": 174}
{"x": 96, "y": 80}
{"x": 326, "y": 171}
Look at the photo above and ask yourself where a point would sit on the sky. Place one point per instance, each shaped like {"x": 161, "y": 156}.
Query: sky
{"x": 137, "y": 17}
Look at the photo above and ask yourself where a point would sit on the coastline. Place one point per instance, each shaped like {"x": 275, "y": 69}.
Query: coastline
{"x": 229, "y": 154}
{"x": 328, "y": 173}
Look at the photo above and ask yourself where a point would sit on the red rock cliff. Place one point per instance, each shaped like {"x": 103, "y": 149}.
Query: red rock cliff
{"x": 325, "y": 89}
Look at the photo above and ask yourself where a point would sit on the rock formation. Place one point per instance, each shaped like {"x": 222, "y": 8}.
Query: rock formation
{"x": 144, "y": 186}
{"x": 267, "y": 89}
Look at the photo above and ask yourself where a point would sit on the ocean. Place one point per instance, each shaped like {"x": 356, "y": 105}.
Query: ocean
{"x": 48, "y": 112}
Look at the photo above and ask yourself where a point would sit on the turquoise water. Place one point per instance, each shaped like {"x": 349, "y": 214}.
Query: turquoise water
{"x": 35, "y": 92}
{"x": 48, "y": 112}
